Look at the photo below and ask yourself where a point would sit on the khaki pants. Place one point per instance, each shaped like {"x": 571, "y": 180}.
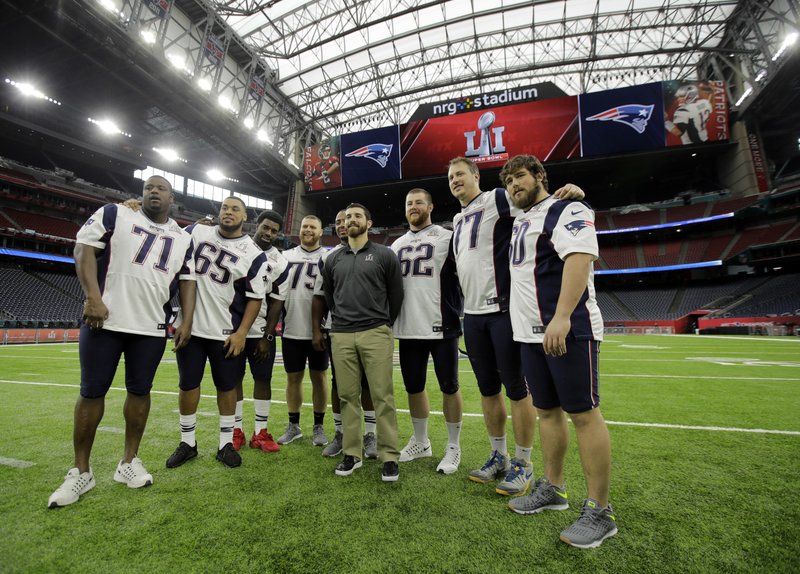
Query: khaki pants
{"x": 372, "y": 351}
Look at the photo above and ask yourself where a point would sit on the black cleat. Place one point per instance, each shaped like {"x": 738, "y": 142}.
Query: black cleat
{"x": 229, "y": 457}
{"x": 390, "y": 472}
{"x": 348, "y": 465}
{"x": 183, "y": 453}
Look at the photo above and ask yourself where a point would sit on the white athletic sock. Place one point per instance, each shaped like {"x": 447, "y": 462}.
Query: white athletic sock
{"x": 188, "y": 426}
{"x": 237, "y": 421}
{"x": 262, "y": 414}
{"x": 225, "y": 429}
{"x": 420, "y": 429}
{"x": 499, "y": 444}
{"x": 454, "y": 434}
{"x": 337, "y": 422}
{"x": 369, "y": 422}
{"x": 523, "y": 453}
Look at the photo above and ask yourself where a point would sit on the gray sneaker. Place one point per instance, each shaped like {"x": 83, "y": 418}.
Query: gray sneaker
{"x": 594, "y": 525}
{"x": 545, "y": 496}
{"x": 292, "y": 433}
{"x": 517, "y": 480}
{"x": 370, "y": 445}
{"x": 319, "y": 438}
{"x": 492, "y": 469}
{"x": 335, "y": 448}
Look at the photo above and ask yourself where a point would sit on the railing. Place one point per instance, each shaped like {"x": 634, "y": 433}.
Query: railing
{"x": 16, "y": 336}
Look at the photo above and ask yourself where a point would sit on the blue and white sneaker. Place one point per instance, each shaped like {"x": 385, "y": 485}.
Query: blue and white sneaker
{"x": 517, "y": 480}
{"x": 492, "y": 469}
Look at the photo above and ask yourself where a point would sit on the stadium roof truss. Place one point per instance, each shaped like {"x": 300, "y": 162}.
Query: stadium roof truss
{"x": 355, "y": 65}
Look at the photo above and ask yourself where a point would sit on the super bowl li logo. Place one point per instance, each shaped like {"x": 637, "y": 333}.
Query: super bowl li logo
{"x": 488, "y": 145}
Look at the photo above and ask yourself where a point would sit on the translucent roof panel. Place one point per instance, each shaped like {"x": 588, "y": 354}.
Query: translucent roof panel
{"x": 370, "y": 63}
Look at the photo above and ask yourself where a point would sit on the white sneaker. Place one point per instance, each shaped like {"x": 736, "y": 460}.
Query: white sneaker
{"x": 450, "y": 460}
{"x": 75, "y": 484}
{"x": 414, "y": 450}
{"x": 133, "y": 473}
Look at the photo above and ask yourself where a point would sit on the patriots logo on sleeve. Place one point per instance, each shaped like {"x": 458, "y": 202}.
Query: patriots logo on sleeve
{"x": 574, "y": 227}
{"x": 635, "y": 116}
{"x": 377, "y": 152}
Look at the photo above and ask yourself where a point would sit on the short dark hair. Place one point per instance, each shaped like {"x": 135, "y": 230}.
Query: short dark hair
{"x": 272, "y": 216}
{"x": 169, "y": 183}
{"x": 239, "y": 199}
{"x": 473, "y": 167}
{"x": 359, "y": 206}
{"x": 529, "y": 162}
{"x": 428, "y": 196}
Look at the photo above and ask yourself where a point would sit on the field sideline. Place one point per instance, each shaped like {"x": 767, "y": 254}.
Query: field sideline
{"x": 705, "y": 435}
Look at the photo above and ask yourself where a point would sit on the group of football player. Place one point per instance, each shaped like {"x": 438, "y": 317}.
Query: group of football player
{"x": 517, "y": 264}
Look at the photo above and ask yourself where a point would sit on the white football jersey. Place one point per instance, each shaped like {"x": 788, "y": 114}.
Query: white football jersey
{"x": 276, "y": 289}
{"x": 138, "y": 268}
{"x": 318, "y": 290}
{"x": 542, "y": 238}
{"x": 229, "y": 272}
{"x": 481, "y": 235}
{"x": 692, "y": 118}
{"x": 432, "y": 299}
{"x": 303, "y": 268}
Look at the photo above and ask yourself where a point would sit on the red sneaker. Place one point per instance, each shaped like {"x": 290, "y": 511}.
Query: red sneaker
{"x": 238, "y": 439}
{"x": 264, "y": 441}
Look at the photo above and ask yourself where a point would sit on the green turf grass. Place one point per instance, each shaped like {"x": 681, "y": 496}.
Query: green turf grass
{"x": 687, "y": 500}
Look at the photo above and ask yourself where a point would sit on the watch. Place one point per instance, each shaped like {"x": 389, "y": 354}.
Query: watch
{"x": 269, "y": 337}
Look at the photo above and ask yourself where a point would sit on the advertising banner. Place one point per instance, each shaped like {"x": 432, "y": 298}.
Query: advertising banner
{"x": 546, "y": 129}
{"x": 214, "y": 49}
{"x": 621, "y": 120}
{"x": 695, "y": 112}
{"x": 158, "y": 7}
{"x": 371, "y": 156}
{"x": 759, "y": 165}
{"x": 486, "y": 100}
{"x": 255, "y": 87}
{"x": 322, "y": 166}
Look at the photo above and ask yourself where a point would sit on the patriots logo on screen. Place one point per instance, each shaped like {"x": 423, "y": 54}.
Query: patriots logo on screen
{"x": 379, "y": 153}
{"x": 574, "y": 227}
{"x": 632, "y": 115}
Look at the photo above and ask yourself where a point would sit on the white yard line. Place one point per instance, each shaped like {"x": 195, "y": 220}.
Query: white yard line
{"x": 14, "y": 463}
{"x": 476, "y": 415}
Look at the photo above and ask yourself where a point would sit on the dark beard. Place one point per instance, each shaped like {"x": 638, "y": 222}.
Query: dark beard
{"x": 230, "y": 228}
{"x": 264, "y": 244}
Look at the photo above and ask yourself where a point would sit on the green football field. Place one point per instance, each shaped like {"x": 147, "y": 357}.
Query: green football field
{"x": 705, "y": 435}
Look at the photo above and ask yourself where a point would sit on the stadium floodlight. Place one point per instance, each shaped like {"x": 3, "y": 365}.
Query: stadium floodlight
{"x": 224, "y": 102}
{"x": 109, "y": 5}
{"x": 169, "y": 154}
{"x": 204, "y": 83}
{"x": 109, "y": 127}
{"x": 787, "y": 43}
{"x": 744, "y": 96}
{"x": 148, "y": 36}
{"x": 177, "y": 60}
{"x": 215, "y": 175}
{"x": 249, "y": 123}
{"x": 30, "y": 91}
{"x": 263, "y": 137}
